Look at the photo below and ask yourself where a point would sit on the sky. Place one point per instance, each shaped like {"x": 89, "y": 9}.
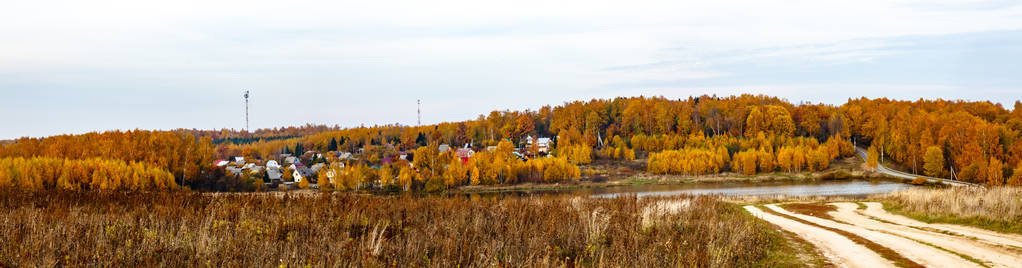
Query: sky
{"x": 80, "y": 66}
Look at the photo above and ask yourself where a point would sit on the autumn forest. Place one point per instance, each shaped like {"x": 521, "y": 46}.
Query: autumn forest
{"x": 962, "y": 140}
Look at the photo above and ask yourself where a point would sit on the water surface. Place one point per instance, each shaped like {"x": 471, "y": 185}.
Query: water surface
{"x": 826, "y": 188}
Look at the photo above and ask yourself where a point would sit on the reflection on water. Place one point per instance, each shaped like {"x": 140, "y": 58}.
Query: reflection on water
{"x": 829, "y": 188}
{"x": 858, "y": 188}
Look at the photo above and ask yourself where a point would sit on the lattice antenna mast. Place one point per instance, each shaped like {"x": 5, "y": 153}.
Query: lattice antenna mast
{"x": 246, "y": 111}
{"x": 418, "y": 110}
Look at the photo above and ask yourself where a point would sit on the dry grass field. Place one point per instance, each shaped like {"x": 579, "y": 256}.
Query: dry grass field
{"x": 995, "y": 208}
{"x": 192, "y": 229}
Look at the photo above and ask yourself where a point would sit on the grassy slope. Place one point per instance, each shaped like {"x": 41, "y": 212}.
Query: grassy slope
{"x": 993, "y": 208}
{"x": 1005, "y": 226}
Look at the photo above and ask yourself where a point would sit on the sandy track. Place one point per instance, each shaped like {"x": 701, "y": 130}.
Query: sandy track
{"x": 839, "y": 249}
{"x": 915, "y": 251}
{"x": 995, "y": 256}
{"x": 1012, "y": 240}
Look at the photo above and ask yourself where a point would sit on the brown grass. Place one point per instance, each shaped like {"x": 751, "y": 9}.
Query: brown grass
{"x": 812, "y": 209}
{"x": 190, "y": 229}
{"x": 996, "y": 208}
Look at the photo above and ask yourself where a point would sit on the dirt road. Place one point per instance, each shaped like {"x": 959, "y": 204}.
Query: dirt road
{"x": 876, "y": 210}
{"x": 839, "y": 249}
{"x": 930, "y": 245}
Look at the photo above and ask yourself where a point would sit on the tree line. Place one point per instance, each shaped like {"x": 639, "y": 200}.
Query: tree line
{"x": 186, "y": 158}
{"x": 969, "y": 141}
{"x": 40, "y": 173}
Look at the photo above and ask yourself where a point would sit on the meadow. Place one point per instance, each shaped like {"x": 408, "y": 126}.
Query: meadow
{"x": 60, "y": 228}
{"x": 994, "y": 208}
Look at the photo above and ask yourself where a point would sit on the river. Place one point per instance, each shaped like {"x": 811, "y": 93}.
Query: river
{"x": 823, "y": 188}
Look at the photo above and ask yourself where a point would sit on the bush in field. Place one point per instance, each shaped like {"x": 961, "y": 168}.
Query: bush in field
{"x": 919, "y": 181}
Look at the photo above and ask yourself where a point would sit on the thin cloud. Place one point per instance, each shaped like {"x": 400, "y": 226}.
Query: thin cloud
{"x": 351, "y": 63}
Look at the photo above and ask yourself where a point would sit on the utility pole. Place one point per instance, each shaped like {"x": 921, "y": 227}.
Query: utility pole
{"x": 418, "y": 110}
{"x": 246, "y": 111}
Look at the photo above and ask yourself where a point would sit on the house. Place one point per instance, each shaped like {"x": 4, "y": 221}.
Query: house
{"x": 301, "y": 172}
{"x": 239, "y": 160}
{"x": 542, "y": 144}
{"x": 519, "y": 155}
{"x": 274, "y": 175}
{"x": 297, "y": 176}
{"x": 464, "y": 154}
{"x": 234, "y": 170}
{"x": 403, "y": 156}
{"x": 222, "y": 163}
{"x": 315, "y": 168}
{"x": 444, "y": 148}
{"x": 272, "y": 164}
{"x": 291, "y": 160}
{"x": 330, "y": 174}
{"x": 343, "y": 155}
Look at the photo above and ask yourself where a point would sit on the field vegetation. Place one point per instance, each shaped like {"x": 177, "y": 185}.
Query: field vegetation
{"x": 62, "y": 228}
{"x": 995, "y": 208}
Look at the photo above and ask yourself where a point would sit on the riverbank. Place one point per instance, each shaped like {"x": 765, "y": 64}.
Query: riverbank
{"x": 611, "y": 174}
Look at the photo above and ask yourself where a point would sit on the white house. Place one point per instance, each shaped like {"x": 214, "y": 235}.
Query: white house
{"x": 273, "y": 174}
{"x": 343, "y": 155}
{"x": 239, "y": 160}
{"x": 272, "y": 164}
{"x": 297, "y": 176}
{"x": 542, "y": 144}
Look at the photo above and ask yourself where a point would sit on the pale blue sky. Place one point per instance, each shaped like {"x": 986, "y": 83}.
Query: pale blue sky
{"x": 78, "y": 66}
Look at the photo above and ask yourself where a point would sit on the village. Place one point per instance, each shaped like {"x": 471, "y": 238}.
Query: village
{"x": 291, "y": 170}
